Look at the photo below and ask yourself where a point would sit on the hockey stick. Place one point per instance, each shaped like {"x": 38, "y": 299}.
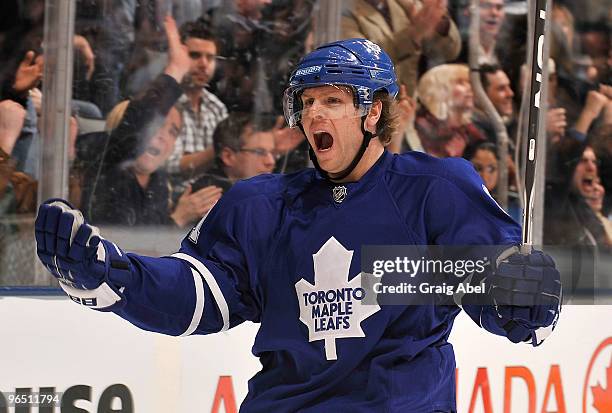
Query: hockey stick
{"x": 537, "y": 65}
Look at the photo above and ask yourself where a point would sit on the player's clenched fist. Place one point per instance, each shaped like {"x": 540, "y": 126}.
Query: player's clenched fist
{"x": 67, "y": 246}
{"x": 526, "y": 292}
{"x": 90, "y": 269}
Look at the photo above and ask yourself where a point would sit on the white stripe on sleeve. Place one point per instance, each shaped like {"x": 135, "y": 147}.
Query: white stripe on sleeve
{"x": 212, "y": 284}
{"x": 199, "y": 307}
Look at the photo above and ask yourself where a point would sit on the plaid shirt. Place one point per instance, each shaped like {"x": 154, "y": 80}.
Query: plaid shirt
{"x": 197, "y": 131}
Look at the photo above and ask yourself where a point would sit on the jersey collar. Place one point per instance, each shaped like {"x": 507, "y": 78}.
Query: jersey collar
{"x": 367, "y": 181}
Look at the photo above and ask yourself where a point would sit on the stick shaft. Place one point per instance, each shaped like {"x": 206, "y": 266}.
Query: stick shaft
{"x": 537, "y": 69}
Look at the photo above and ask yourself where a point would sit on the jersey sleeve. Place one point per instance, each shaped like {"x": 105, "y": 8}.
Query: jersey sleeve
{"x": 211, "y": 283}
{"x": 460, "y": 211}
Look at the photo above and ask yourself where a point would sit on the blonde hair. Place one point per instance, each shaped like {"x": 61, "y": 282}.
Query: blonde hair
{"x": 435, "y": 89}
{"x": 388, "y": 124}
{"x": 561, "y": 11}
{"x": 115, "y": 115}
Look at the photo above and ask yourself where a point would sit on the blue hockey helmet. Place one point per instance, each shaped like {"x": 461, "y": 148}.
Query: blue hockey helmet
{"x": 357, "y": 63}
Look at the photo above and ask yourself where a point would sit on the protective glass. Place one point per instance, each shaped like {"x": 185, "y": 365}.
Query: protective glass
{"x": 305, "y": 103}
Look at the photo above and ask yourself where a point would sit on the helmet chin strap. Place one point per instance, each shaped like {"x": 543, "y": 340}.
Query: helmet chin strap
{"x": 367, "y": 137}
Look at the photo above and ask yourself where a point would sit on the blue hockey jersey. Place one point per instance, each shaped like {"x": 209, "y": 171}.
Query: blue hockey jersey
{"x": 276, "y": 246}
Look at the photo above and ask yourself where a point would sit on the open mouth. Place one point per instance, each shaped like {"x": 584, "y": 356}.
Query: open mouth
{"x": 491, "y": 23}
{"x": 153, "y": 151}
{"x": 588, "y": 182}
{"x": 590, "y": 191}
{"x": 323, "y": 141}
{"x": 587, "y": 187}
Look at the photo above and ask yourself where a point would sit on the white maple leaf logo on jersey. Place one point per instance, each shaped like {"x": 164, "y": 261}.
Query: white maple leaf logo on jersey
{"x": 333, "y": 307}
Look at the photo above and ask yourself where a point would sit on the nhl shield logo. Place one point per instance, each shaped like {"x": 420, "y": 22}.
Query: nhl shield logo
{"x": 339, "y": 193}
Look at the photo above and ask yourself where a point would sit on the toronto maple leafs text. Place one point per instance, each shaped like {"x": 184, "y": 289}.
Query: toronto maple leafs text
{"x": 331, "y": 309}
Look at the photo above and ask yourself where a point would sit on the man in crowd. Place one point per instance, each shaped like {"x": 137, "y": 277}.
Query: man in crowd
{"x": 244, "y": 148}
{"x": 202, "y": 111}
{"x": 408, "y": 30}
{"x": 496, "y": 85}
{"x": 492, "y": 16}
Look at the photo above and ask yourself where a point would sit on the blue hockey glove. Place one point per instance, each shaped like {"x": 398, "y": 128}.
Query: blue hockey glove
{"x": 90, "y": 269}
{"x": 526, "y": 294}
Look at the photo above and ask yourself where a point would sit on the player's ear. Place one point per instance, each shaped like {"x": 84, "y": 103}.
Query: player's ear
{"x": 373, "y": 116}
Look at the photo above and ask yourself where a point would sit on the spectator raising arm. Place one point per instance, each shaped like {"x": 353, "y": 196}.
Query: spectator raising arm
{"x": 595, "y": 103}
{"x": 82, "y": 46}
{"x": 178, "y": 57}
{"x": 130, "y": 136}
{"x": 29, "y": 73}
{"x": 12, "y": 116}
{"x": 27, "y": 76}
{"x": 406, "y": 30}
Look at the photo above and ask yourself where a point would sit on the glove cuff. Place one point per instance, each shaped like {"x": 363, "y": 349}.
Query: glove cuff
{"x": 118, "y": 268}
{"x": 107, "y": 296}
{"x": 104, "y": 298}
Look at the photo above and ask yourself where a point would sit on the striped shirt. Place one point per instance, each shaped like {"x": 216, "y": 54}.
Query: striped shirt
{"x": 198, "y": 128}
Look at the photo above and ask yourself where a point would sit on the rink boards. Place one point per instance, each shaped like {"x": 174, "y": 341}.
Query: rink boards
{"x": 98, "y": 362}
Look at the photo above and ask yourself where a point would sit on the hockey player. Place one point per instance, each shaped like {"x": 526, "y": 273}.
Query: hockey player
{"x": 284, "y": 251}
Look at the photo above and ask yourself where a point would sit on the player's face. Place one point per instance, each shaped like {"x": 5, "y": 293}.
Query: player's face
{"x": 486, "y": 165}
{"x": 332, "y": 126}
{"x": 500, "y": 93}
{"x": 203, "y": 61}
{"x": 585, "y": 174}
{"x": 160, "y": 146}
{"x": 255, "y": 157}
{"x": 491, "y": 16}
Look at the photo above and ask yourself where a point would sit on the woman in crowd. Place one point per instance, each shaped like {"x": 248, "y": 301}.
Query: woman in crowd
{"x": 444, "y": 117}
{"x": 485, "y": 159}
{"x": 570, "y": 220}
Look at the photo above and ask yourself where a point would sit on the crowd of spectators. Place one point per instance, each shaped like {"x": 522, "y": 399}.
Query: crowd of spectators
{"x": 192, "y": 104}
